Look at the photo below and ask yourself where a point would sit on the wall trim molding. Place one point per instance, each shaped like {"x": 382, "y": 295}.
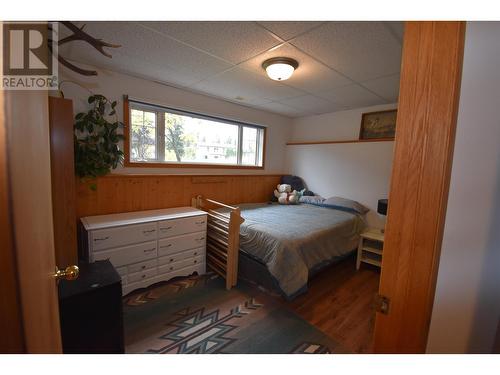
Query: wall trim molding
{"x": 121, "y": 175}
{"x": 340, "y": 141}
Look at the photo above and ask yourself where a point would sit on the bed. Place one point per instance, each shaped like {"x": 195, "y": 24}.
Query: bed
{"x": 278, "y": 247}
{"x": 282, "y": 246}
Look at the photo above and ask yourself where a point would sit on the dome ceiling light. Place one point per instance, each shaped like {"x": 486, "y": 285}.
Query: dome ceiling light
{"x": 280, "y": 68}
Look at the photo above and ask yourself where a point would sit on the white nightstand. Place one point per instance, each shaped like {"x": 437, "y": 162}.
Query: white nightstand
{"x": 370, "y": 247}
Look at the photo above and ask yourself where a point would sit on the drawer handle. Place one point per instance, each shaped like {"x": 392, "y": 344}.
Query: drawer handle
{"x": 143, "y": 267}
{"x": 149, "y": 250}
{"x": 200, "y": 222}
{"x": 171, "y": 259}
{"x": 163, "y": 246}
{"x": 200, "y": 239}
{"x": 195, "y": 253}
{"x": 149, "y": 231}
{"x": 101, "y": 239}
{"x": 143, "y": 276}
{"x": 171, "y": 268}
{"x": 166, "y": 228}
{"x": 195, "y": 261}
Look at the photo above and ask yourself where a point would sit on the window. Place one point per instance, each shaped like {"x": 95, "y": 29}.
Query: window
{"x": 170, "y": 136}
{"x": 143, "y": 135}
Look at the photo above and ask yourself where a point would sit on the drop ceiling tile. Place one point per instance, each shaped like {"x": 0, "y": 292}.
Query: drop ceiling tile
{"x": 281, "y": 109}
{"x": 252, "y": 88}
{"x": 151, "y": 54}
{"x": 352, "y": 96}
{"x": 309, "y": 104}
{"x": 386, "y": 87}
{"x": 136, "y": 67}
{"x": 289, "y": 29}
{"x": 232, "y": 41}
{"x": 142, "y": 69}
{"x": 140, "y": 44}
{"x": 311, "y": 76}
{"x": 360, "y": 50}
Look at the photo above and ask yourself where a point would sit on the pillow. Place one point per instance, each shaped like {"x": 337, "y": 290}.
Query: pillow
{"x": 345, "y": 204}
{"x": 312, "y": 199}
{"x": 296, "y": 183}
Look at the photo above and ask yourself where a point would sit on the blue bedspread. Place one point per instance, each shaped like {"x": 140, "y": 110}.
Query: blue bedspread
{"x": 292, "y": 240}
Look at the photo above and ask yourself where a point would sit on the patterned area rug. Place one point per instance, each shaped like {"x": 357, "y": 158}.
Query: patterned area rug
{"x": 198, "y": 315}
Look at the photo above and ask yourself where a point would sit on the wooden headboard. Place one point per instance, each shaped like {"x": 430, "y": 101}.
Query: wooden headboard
{"x": 124, "y": 193}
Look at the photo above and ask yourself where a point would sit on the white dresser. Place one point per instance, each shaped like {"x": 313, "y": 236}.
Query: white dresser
{"x": 147, "y": 246}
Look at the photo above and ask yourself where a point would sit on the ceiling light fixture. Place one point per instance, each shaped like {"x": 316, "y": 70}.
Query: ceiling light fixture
{"x": 280, "y": 68}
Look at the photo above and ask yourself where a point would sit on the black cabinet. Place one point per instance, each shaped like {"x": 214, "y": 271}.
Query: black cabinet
{"x": 90, "y": 310}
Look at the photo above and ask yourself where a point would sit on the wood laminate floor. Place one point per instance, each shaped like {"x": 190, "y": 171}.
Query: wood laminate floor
{"x": 340, "y": 302}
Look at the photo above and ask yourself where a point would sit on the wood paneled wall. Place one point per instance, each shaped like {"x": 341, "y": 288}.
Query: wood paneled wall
{"x": 125, "y": 193}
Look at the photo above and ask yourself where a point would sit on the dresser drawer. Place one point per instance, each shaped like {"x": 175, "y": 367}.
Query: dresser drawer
{"x": 143, "y": 275}
{"x": 180, "y": 256}
{"x": 113, "y": 237}
{"x": 181, "y": 264}
{"x": 128, "y": 254}
{"x": 176, "y": 244}
{"x": 175, "y": 227}
{"x": 142, "y": 266}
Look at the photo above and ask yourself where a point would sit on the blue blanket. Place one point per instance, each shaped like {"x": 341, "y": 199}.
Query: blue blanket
{"x": 293, "y": 240}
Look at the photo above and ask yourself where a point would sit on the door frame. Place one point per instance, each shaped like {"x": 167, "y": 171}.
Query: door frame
{"x": 431, "y": 73}
{"x": 421, "y": 170}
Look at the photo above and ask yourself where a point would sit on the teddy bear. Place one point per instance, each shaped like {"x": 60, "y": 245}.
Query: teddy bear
{"x": 285, "y": 194}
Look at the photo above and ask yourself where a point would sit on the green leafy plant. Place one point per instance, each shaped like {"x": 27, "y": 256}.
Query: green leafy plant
{"x": 96, "y": 139}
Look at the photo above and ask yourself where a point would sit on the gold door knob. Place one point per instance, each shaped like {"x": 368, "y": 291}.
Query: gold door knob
{"x": 70, "y": 273}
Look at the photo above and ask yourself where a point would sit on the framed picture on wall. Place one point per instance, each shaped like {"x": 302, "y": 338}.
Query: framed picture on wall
{"x": 376, "y": 125}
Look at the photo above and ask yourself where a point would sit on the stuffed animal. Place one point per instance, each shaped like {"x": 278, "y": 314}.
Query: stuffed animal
{"x": 281, "y": 192}
{"x": 285, "y": 194}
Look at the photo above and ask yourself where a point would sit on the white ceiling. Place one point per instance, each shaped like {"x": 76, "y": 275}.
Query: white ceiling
{"x": 342, "y": 65}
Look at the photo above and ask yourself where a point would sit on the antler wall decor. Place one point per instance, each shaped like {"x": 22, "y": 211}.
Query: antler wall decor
{"x": 79, "y": 34}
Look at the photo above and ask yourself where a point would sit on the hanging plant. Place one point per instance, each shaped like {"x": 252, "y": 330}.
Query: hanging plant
{"x": 96, "y": 139}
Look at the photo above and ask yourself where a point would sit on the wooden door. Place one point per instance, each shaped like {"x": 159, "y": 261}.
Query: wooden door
{"x": 426, "y": 122}
{"x": 12, "y": 339}
{"x": 28, "y": 179}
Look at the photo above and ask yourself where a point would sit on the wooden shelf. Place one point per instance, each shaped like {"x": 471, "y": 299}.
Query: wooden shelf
{"x": 344, "y": 141}
{"x": 373, "y": 235}
{"x": 372, "y": 250}
{"x": 374, "y": 262}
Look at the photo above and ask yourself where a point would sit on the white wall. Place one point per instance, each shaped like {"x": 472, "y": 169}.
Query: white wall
{"x": 342, "y": 125}
{"x": 114, "y": 85}
{"x": 467, "y": 301}
{"x": 359, "y": 171}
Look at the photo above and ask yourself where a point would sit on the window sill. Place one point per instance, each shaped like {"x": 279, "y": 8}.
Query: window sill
{"x": 129, "y": 164}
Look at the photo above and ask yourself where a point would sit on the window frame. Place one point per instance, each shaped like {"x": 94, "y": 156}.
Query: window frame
{"x": 156, "y": 164}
